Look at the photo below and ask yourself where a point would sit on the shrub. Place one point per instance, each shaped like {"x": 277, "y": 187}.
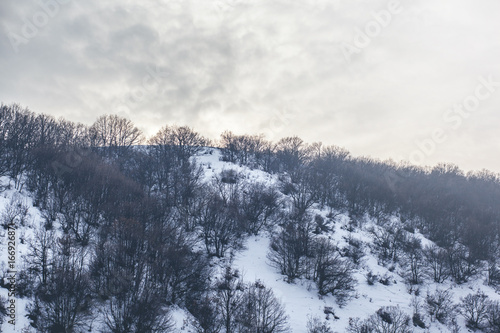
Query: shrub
{"x": 332, "y": 274}
{"x": 474, "y": 308}
{"x": 440, "y": 305}
{"x": 315, "y": 325}
{"x": 386, "y": 319}
{"x": 371, "y": 278}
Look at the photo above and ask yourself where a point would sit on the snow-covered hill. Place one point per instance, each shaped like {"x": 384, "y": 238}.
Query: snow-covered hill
{"x": 300, "y": 299}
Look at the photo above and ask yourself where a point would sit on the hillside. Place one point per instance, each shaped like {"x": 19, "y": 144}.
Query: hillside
{"x": 114, "y": 233}
{"x": 300, "y": 299}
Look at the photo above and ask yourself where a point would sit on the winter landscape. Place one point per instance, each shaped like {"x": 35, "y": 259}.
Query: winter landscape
{"x": 105, "y": 231}
{"x": 249, "y": 166}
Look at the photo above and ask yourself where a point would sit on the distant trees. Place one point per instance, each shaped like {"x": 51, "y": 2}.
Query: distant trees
{"x": 245, "y": 149}
{"x": 18, "y": 126}
{"x": 291, "y": 153}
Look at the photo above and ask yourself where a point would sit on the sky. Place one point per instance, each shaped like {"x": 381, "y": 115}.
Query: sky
{"x": 415, "y": 81}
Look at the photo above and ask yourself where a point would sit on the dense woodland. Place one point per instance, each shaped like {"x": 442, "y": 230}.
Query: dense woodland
{"x": 131, "y": 229}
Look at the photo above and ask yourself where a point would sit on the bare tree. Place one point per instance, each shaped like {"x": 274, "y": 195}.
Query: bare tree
{"x": 493, "y": 317}
{"x": 261, "y": 312}
{"x": 386, "y": 319}
{"x": 63, "y": 304}
{"x": 114, "y": 132}
{"x": 218, "y": 227}
{"x": 40, "y": 255}
{"x": 315, "y": 325}
{"x": 436, "y": 263}
{"x": 474, "y": 308}
{"x": 182, "y": 141}
{"x": 440, "y": 305}
{"x": 332, "y": 274}
{"x": 257, "y": 206}
{"x": 286, "y": 252}
{"x": 291, "y": 152}
{"x": 414, "y": 260}
{"x": 229, "y": 291}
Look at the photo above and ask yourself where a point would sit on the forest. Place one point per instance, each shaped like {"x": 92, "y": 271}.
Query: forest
{"x": 132, "y": 228}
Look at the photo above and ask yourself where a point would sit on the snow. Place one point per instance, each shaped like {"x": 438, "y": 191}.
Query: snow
{"x": 300, "y": 299}
{"x": 211, "y": 161}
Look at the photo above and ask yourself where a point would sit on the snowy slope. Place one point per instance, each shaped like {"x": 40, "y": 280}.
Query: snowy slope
{"x": 300, "y": 299}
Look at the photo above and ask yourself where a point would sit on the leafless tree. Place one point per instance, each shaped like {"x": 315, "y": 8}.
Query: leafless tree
{"x": 440, "y": 305}
{"x": 386, "y": 319}
{"x": 261, "y": 311}
{"x": 474, "y": 308}
{"x": 332, "y": 274}
{"x": 114, "y": 132}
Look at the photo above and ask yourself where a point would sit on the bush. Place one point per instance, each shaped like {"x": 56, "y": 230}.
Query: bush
{"x": 229, "y": 176}
{"x": 418, "y": 321}
{"x": 261, "y": 311}
{"x": 386, "y": 280}
{"x": 440, "y": 305}
{"x": 332, "y": 274}
{"x": 493, "y": 317}
{"x": 371, "y": 278}
{"x": 386, "y": 319}
{"x": 315, "y": 325}
{"x": 474, "y": 308}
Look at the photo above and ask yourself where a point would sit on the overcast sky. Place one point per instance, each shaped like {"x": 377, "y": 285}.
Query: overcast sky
{"x": 410, "y": 80}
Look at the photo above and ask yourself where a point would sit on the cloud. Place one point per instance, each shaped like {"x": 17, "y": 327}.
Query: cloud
{"x": 274, "y": 67}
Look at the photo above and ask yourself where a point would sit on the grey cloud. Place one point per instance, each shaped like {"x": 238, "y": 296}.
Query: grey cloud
{"x": 264, "y": 66}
